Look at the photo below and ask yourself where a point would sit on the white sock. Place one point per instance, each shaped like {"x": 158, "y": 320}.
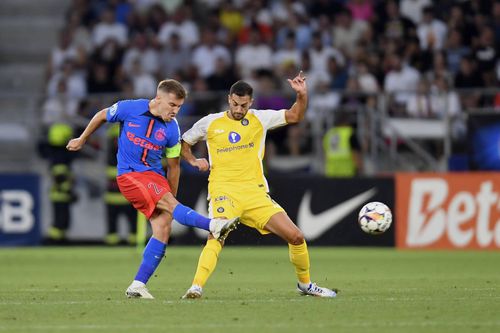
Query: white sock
{"x": 136, "y": 284}
{"x": 304, "y": 285}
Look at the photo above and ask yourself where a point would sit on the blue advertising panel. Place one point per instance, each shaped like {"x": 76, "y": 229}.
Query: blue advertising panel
{"x": 20, "y": 209}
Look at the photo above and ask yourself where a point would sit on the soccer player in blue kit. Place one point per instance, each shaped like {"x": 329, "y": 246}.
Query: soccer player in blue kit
{"x": 148, "y": 129}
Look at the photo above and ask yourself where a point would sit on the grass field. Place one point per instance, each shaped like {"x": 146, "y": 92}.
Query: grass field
{"x": 382, "y": 290}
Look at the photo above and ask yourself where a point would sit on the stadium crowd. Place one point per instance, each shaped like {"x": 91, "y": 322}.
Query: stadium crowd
{"x": 408, "y": 48}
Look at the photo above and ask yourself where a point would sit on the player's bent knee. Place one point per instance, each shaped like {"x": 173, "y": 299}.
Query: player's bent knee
{"x": 167, "y": 203}
{"x": 296, "y": 238}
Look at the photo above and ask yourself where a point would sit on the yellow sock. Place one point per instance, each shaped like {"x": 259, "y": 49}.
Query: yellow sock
{"x": 207, "y": 262}
{"x": 300, "y": 259}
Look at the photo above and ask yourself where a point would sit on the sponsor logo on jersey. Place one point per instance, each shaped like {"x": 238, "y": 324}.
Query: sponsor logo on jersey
{"x": 112, "y": 109}
{"x": 244, "y": 122}
{"x": 234, "y": 137}
{"x": 218, "y": 131}
{"x": 234, "y": 148}
{"x": 160, "y": 134}
{"x": 220, "y": 210}
{"x": 131, "y": 124}
{"x": 221, "y": 198}
{"x": 143, "y": 143}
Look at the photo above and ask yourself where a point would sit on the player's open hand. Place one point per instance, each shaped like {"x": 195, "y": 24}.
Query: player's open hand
{"x": 201, "y": 164}
{"x": 298, "y": 83}
{"x": 75, "y": 144}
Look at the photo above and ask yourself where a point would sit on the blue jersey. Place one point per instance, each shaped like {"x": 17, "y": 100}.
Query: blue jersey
{"x": 143, "y": 136}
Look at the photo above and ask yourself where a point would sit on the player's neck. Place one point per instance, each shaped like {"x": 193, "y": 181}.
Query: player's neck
{"x": 229, "y": 115}
{"x": 153, "y": 108}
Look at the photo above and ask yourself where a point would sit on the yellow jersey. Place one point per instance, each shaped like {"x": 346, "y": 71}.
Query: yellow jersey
{"x": 236, "y": 147}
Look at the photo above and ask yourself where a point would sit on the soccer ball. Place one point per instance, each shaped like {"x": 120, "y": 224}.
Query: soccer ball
{"x": 375, "y": 218}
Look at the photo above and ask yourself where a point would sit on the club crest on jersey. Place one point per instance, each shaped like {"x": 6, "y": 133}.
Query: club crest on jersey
{"x": 220, "y": 210}
{"x": 244, "y": 122}
{"x": 160, "y": 134}
{"x": 234, "y": 137}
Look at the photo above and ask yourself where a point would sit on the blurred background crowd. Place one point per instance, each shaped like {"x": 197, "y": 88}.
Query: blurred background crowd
{"x": 408, "y": 85}
{"x": 416, "y": 51}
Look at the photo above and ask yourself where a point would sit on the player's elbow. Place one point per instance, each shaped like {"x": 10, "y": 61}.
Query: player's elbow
{"x": 294, "y": 118}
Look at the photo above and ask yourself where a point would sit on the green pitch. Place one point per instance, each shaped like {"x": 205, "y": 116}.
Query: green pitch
{"x": 382, "y": 290}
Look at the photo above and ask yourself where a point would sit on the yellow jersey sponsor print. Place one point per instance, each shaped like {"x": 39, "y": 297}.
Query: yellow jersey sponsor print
{"x": 236, "y": 147}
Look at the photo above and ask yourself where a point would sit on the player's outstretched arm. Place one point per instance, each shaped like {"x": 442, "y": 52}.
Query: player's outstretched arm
{"x": 96, "y": 122}
{"x": 187, "y": 155}
{"x": 296, "y": 113}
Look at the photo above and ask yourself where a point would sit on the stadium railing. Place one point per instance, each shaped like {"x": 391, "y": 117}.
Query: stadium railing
{"x": 390, "y": 141}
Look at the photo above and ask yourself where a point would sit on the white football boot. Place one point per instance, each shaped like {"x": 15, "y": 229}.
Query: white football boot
{"x": 220, "y": 228}
{"x": 314, "y": 290}
{"x": 193, "y": 292}
{"x": 138, "y": 292}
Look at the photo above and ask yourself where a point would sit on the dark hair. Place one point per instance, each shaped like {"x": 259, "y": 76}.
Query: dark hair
{"x": 241, "y": 88}
{"x": 173, "y": 86}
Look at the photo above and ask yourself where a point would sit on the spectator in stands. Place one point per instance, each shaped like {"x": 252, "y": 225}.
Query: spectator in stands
{"x": 419, "y": 104}
{"x": 206, "y": 54}
{"x": 444, "y": 103}
{"x": 253, "y": 56}
{"x": 140, "y": 49}
{"x": 401, "y": 80}
{"x": 174, "y": 57}
{"x": 469, "y": 77}
{"x": 286, "y": 55}
{"x": 455, "y": 50}
{"x": 99, "y": 79}
{"x": 143, "y": 82}
{"x": 337, "y": 74}
{"x": 393, "y": 25}
{"x": 74, "y": 81}
{"x": 486, "y": 55}
{"x": 223, "y": 76}
{"x": 361, "y": 10}
{"x": 294, "y": 24}
{"x": 108, "y": 28}
{"x": 59, "y": 107}
{"x": 231, "y": 17}
{"x": 413, "y": 9}
{"x": 320, "y": 54}
{"x": 347, "y": 32}
{"x": 65, "y": 50}
{"x": 431, "y": 31}
{"x": 182, "y": 25}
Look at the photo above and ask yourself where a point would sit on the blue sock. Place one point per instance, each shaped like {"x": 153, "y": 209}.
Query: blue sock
{"x": 186, "y": 216}
{"x": 153, "y": 253}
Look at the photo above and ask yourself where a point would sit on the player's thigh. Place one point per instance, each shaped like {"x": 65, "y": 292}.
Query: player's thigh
{"x": 144, "y": 190}
{"x": 280, "y": 224}
{"x": 258, "y": 209}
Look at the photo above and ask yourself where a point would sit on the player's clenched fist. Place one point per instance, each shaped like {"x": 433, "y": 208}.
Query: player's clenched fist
{"x": 75, "y": 144}
{"x": 201, "y": 164}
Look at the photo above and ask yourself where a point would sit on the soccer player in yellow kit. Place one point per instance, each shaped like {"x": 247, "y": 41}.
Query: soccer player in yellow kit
{"x": 237, "y": 187}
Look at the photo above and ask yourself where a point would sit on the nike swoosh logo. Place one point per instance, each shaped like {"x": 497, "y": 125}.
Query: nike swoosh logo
{"x": 314, "y": 225}
{"x": 133, "y": 125}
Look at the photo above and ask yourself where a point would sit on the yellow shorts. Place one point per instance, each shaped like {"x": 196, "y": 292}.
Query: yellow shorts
{"x": 248, "y": 201}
